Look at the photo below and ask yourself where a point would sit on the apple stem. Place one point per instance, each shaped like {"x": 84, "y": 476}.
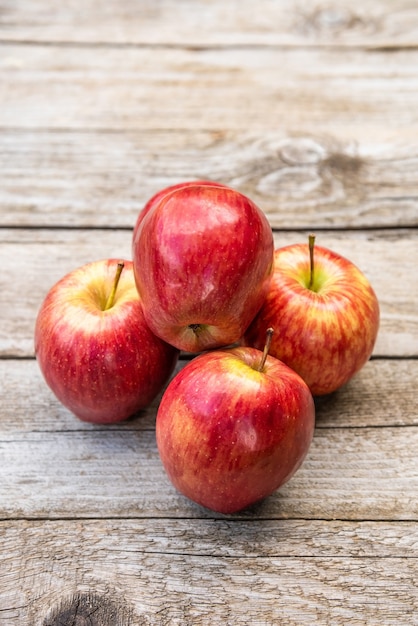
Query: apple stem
{"x": 111, "y": 298}
{"x": 311, "y": 259}
{"x": 269, "y": 336}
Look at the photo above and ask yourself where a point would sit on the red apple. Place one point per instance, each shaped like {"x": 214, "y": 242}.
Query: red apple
{"x": 231, "y": 430}
{"x": 203, "y": 258}
{"x": 326, "y": 326}
{"x": 94, "y": 348}
{"x": 163, "y": 192}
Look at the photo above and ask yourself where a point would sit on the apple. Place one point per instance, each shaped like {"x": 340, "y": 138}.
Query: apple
{"x": 163, "y": 192}
{"x": 325, "y": 314}
{"x": 203, "y": 259}
{"x": 233, "y": 426}
{"x": 94, "y": 348}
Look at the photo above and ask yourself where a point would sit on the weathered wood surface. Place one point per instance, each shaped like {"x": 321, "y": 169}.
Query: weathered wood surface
{"x": 215, "y": 572}
{"x": 301, "y": 180}
{"x": 381, "y": 395}
{"x": 46, "y": 451}
{"x": 372, "y": 23}
{"x": 118, "y": 474}
{"x": 311, "y": 110}
{"x": 348, "y": 93}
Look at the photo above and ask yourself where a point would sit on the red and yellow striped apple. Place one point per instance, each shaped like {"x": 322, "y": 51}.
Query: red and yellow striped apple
{"x": 203, "y": 259}
{"x": 325, "y": 314}
{"x": 94, "y": 348}
{"x": 232, "y": 428}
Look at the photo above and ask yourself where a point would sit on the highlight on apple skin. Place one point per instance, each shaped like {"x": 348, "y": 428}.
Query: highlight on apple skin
{"x": 94, "y": 348}
{"x": 203, "y": 259}
{"x": 228, "y": 434}
{"x": 155, "y": 199}
{"x": 325, "y": 328}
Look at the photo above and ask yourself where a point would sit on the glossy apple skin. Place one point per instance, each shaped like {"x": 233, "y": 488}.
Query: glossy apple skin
{"x": 228, "y": 435}
{"x": 326, "y": 334}
{"x": 154, "y": 200}
{"x": 203, "y": 259}
{"x": 102, "y": 365}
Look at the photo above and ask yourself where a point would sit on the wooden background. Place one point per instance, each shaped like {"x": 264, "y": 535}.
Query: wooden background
{"x": 312, "y": 110}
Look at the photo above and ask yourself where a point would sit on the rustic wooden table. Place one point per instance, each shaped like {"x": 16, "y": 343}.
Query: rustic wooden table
{"x": 312, "y": 110}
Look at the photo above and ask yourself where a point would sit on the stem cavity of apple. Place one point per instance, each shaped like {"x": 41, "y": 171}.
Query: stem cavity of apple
{"x": 111, "y": 298}
{"x": 311, "y": 260}
{"x": 269, "y": 337}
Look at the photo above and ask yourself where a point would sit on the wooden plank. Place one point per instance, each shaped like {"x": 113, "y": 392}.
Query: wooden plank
{"x": 308, "y": 181}
{"x": 37, "y": 259}
{"x": 223, "y": 538}
{"x": 382, "y": 394}
{"x": 369, "y": 23}
{"x": 350, "y": 473}
{"x": 148, "y": 573}
{"x": 344, "y": 93}
{"x": 381, "y": 383}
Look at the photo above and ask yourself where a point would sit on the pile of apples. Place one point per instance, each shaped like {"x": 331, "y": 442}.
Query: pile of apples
{"x": 266, "y": 330}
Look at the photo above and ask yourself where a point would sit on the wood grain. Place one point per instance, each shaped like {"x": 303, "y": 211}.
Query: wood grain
{"x": 29, "y": 405}
{"x": 161, "y": 571}
{"x": 373, "y": 23}
{"x": 40, "y": 258}
{"x": 218, "y": 538}
{"x": 119, "y": 474}
{"x": 346, "y": 93}
{"x": 308, "y": 181}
